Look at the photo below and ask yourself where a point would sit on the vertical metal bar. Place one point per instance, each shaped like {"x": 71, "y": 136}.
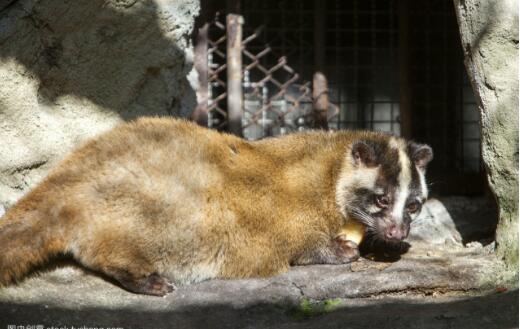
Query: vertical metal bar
{"x": 233, "y": 7}
{"x": 301, "y": 40}
{"x": 200, "y": 115}
{"x": 393, "y": 62}
{"x": 446, "y": 86}
{"x": 320, "y": 99}
{"x": 391, "y": 27}
{"x": 373, "y": 68}
{"x": 320, "y": 10}
{"x": 405, "y": 90}
{"x": 340, "y": 85}
{"x": 320, "y": 92}
{"x": 359, "y": 79}
{"x": 234, "y": 73}
{"x": 429, "y": 94}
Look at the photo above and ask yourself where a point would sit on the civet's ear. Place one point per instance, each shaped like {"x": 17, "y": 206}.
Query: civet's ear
{"x": 363, "y": 154}
{"x": 421, "y": 154}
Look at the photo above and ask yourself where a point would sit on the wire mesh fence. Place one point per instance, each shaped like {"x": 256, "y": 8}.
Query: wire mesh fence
{"x": 273, "y": 99}
{"x": 393, "y": 66}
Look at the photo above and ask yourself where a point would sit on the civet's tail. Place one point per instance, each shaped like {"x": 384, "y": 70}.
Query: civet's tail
{"x": 28, "y": 237}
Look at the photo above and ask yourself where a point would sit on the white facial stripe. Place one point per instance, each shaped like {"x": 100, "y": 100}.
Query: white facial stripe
{"x": 424, "y": 188}
{"x": 403, "y": 181}
{"x": 400, "y": 201}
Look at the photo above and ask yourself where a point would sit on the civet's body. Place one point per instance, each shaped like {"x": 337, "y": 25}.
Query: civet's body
{"x": 163, "y": 200}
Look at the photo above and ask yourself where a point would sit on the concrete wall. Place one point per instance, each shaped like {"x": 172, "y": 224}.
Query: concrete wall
{"x": 71, "y": 69}
{"x": 489, "y": 35}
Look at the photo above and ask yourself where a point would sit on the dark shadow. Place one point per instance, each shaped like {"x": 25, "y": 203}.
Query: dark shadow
{"x": 115, "y": 54}
{"x": 475, "y": 218}
{"x": 381, "y": 251}
{"x": 65, "y": 260}
{"x": 493, "y": 311}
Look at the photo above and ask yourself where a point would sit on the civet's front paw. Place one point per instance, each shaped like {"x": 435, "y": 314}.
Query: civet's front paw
{"x": 346, "y": 250}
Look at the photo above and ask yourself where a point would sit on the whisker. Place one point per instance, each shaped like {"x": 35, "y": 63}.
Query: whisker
{"x": 363, "y": 217}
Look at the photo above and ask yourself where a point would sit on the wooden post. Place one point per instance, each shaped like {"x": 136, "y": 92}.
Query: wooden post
{"x": 320, "y": 99}
{"x": 200, "y": 115}
{"x": 405, "y": 90}
{"x": 234, "y": 73}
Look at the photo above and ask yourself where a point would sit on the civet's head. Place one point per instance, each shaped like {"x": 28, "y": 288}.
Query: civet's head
{"x": 382, "y": 184}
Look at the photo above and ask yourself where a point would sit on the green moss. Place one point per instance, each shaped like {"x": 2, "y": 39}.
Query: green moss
{"x": 331, "y": 304}
{"x": 308, "y": 308}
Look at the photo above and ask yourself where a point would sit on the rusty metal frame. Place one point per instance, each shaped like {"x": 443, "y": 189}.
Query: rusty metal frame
{"x": 280, "y": 94}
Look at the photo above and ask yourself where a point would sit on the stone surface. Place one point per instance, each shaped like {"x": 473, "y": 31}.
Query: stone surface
{"x": 489, "y": 35}
{"x": 438, "y": 283}
{"x": 71, "y": 69}
{"x": 434, "y": 226}
{"x": 411, "y": 291}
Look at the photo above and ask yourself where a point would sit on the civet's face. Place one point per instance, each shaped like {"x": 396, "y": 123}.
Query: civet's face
{"x": 385, "y": 186}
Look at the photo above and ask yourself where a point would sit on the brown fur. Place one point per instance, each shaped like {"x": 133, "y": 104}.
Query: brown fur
{"x": 169, "y": 197}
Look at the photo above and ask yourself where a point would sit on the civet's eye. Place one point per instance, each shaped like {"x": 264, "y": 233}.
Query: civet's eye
{"x": 382, "y": 201}
{"x": 413, "y": 207}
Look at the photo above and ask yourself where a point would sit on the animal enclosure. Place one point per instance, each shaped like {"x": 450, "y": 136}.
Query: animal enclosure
{"x": 72, "y": 71}
{"x": 393, "y": 66}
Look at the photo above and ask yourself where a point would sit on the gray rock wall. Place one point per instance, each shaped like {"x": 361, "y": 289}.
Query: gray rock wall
{"x": 489, "y": 35}
{"x": 71, "y": 69}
